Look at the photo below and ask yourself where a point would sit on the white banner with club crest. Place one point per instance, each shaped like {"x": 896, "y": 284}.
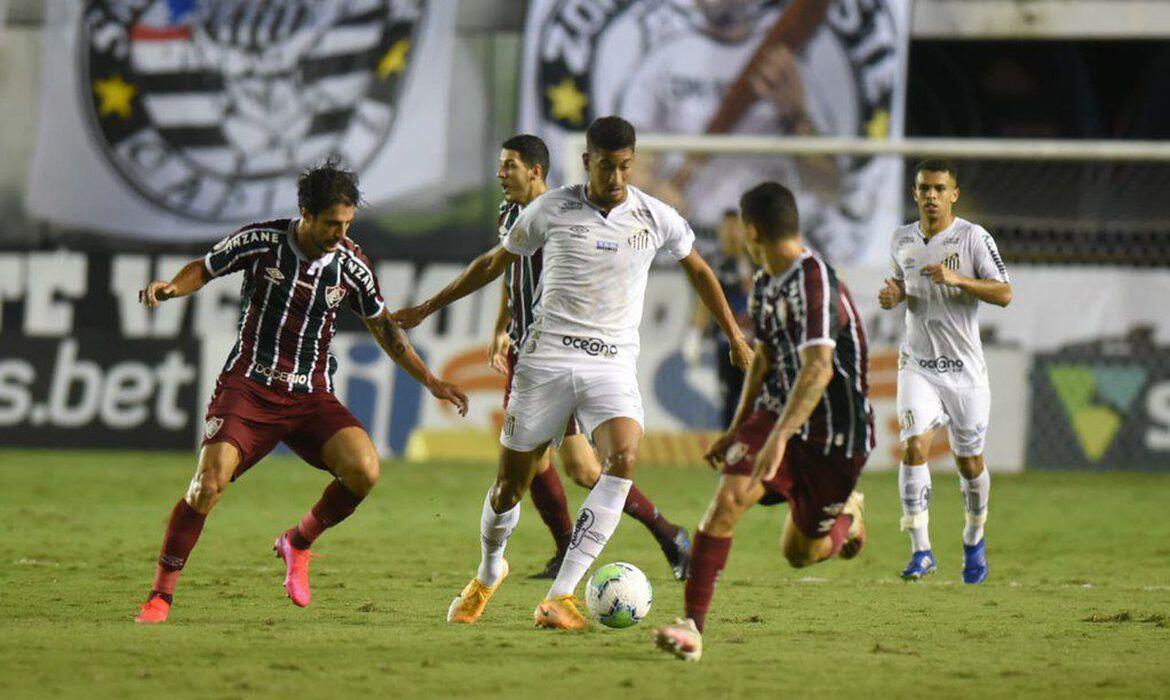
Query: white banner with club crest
{"x": 182, "y": 119}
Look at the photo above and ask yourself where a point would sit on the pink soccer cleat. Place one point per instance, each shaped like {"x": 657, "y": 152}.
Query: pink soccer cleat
{"x": 682, "y": 639}
{"x": 296, "y": 562}
{"x": 153, "y": 611}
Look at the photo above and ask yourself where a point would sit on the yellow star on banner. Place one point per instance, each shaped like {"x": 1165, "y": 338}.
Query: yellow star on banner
{"x": 395, "y": 59}
{"x": 878, "y": 126}
{"x": 568, "y": 102}
{"x": 115, "y": 95}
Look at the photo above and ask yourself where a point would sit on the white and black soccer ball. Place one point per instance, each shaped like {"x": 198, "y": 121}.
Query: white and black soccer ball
{"x": 619, "y": 595}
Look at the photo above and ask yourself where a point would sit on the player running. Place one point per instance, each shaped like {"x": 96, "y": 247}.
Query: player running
{"x": 277, "y": 384}
{"x": 943, "y": 266}
{"x": 523, "y": 164}
{"x": 578, "y": 356}
{"x": 804, "y": 426}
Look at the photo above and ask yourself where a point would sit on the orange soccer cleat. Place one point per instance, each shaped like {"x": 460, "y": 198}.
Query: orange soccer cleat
{"x": 153, "y": 611}
{"x": 563, "y": 612}
{"x": 470, "y": 603}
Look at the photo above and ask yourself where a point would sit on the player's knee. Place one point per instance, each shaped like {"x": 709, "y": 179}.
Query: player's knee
{"x": 506, "y": 494}
{"x": 970, "y": 467}
{"x": 363, "y": 471}
{"x": 914, "y": 451}
{"x": 621, "y": 461}
{"x": 726, "y": 511}
{"x": 582, "y": 473}
{"x": 205, "y": 489}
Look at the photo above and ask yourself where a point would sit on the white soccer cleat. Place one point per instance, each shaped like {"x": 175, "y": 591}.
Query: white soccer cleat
{"x": 682, "y": 639}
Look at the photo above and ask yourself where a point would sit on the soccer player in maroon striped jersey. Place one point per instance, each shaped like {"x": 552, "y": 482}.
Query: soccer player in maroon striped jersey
{"x": 277, "y": 383}
{"x": 524, "y": 161}
{"x": 804, "y": 426}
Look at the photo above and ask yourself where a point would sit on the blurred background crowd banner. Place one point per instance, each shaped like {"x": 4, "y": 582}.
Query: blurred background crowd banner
{"x": 137, "y": 132}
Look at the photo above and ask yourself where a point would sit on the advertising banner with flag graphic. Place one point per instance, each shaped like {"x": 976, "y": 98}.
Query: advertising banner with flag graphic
{"x": 178, "y": 119}
{"x": 764, "y": 67}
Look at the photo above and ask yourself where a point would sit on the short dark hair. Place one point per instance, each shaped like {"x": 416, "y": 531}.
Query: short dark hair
{"x": 532, "y": 150}
{"x": 610, "y": 133}
{"x": 937, "y": 165}
{"x": 325, "y": 185}
{"x": 771, "y": 208}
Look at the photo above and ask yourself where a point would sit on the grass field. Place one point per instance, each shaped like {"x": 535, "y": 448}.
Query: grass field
{"x": 1078, "y": 602}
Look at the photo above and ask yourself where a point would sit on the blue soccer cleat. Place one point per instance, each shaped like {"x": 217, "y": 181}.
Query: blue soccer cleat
{"x": 975, "y": 562}
{"x": 921, "y": 564}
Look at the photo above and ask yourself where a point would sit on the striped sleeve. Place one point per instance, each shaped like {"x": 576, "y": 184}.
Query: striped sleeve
{"x": 357, "y": 274}
{"x": 986, "y": 259}
{"x": 819, "y": 289}
{"x": 237, "y": 251}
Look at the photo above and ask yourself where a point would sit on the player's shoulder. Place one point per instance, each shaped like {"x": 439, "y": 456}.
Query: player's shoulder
{"x": 258, "y": 234}
{"x": 814, "y": 264}
{"x": 908, "y": 232}
{"x": 566, "y": 199}
{"x": 970, "y": 230}
{"x": 642, "y": 202}
{"x": 350, "y": 254}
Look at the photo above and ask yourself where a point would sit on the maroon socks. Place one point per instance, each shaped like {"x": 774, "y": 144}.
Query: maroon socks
{"x": 182, "y": 533}
{"x": 336, "y": 504}
{"x": 548, "y": 495}
{"x": 708, "y": 557}
{"x": 643, "y": 510}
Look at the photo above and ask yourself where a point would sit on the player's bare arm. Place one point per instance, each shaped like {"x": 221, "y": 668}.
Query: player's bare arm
{"x": 475, "y": 276}
{"x": 816, "y": 370}
{"x": 395, "y": 343}
{"x": 753, "y": 383}
{"x": 707, "y": 286}
{"x": 501, "y": 341}
{"x": 989, "y": 291}
{"x": 188, "y": 280}
{"x": 892, "y": 294}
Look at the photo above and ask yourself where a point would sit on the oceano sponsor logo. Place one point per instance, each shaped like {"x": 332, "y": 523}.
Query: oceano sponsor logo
{"x": 273, "y": 373}
{"x": 591, "y": 346}
{"x": 942, "y": 364}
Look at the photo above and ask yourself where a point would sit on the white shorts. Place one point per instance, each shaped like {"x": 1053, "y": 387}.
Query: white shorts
{"x": 924, "y": 404}
{"x": 545, "y": 396}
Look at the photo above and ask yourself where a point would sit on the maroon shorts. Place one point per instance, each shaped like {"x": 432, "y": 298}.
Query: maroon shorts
{"x": 254, "y": 417}
{"x": 570, "y": 428}
{"x": 816, "y": 485}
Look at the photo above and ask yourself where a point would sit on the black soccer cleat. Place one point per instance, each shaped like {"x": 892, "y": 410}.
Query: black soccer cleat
{"x": 678, "y": 553}
{"x": 551, "y": 568}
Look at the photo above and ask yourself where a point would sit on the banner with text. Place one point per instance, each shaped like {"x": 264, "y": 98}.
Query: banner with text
{"x": 180, "y": 120}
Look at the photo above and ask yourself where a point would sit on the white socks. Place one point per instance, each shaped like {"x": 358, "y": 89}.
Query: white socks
{"x": 976, "y": 493}
{"x": 494, "y": 531}
{"x": 596, "y": 521}
{"x": 914, "y": 488}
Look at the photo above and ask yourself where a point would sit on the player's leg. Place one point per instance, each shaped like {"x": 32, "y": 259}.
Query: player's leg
{"x": 580, "y": 462}
{"x": 548, "y": 495}
{"x": 826, "y": 515}
{"x": 920, "y": 411}
{"x": 970, "y": 410}
{"x": 498, "y": 520}
{"x": 350, "y": 456}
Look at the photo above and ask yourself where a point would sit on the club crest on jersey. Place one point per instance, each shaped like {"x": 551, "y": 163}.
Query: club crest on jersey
{"x": 209, "y": 109}
{"x": 334, "y": 294}
{"x": 274, "y": 275}
{"x": 735, "y": 453}
{"x": 640, "y": 239}
{"x": 211, "y": 427}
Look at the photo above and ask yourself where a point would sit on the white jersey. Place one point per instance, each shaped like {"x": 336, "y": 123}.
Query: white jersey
{"x": 942, "y": 326}
{"x": 593, "y": 283}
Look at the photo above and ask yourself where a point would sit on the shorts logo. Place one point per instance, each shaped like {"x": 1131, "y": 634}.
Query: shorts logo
{"x": 907, "y": 420}
{"x": 207, "y": 109}
{"x": 607, "y": 245}
{"x": 274, "y": 275}
{"x": 735, "y": 453}
{"x": 640, "y": 239}
{"x": 591, "y": 346}
{"x": 509, "y": 425}
{"x": 334, "y": 294}
{"x": 942, "y": 364}
{"x": 211, "y": 427}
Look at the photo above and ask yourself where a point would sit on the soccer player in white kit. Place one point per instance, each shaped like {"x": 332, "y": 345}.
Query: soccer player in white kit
{"x": 579, "y": 353}
{"x": 943, "y": 266}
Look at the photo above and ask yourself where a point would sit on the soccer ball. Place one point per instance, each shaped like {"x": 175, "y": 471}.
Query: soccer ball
{"x": 619, "y": 595}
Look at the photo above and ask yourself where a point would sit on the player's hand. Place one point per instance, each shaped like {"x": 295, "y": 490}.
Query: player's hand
{"x": 446, "y": 391}
{"x": 941, "y": 274}
{"x": 891, "y": 295}
{"x": 411, "y": 316}
{"x": 717, "y": 449}
{"x": 769, "y": 459}
{"x": 776, "y": 78}
{"x": 498, "y": 353}
{"x": 741, "y": 353}
{"x": 156, "y": 293}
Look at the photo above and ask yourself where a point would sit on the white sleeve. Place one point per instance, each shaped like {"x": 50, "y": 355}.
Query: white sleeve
{"x": 985, "y": 257}
{"x": 528, "y": 233}
{"x": 677, "y": 237}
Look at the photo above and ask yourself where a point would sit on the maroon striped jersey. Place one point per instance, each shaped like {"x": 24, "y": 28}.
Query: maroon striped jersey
{"x": 519, "y": 278}
{"x": 808, "y": 305}
{"x": 289, "y": 302}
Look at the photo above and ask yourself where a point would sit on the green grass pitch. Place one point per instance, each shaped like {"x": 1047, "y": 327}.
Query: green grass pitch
{"x": 1078, "y": 602}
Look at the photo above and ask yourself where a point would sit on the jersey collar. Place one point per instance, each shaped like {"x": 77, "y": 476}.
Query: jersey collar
{"x": 583, "y": 194}
{"x": 922, "y": 235}
{"x": 315, "y": 265}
